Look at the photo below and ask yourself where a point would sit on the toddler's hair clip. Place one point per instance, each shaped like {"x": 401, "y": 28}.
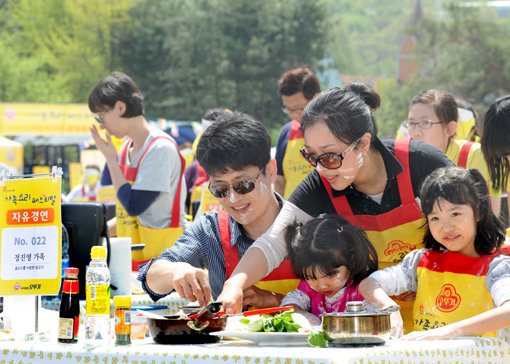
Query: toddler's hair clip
{"x": 340, "y": 229}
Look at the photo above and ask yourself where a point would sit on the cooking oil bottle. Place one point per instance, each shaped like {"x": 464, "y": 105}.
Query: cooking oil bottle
{"x": 97, "y": 280}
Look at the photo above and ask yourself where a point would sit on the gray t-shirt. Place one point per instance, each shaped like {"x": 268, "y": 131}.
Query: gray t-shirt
{"x": 403, "y": 277}
{"x": 159, "y": 170}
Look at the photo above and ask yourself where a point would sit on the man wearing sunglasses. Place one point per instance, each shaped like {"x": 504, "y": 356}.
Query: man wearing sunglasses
{"x": 297, "y": 88}
{"x": 235, "y": 153}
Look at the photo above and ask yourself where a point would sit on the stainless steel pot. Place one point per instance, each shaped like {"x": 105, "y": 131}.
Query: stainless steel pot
{"x": 356, "y": 326}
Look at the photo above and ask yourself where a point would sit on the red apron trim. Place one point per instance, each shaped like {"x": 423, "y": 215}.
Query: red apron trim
{"x": 295, "y": 131}
{"x": 202, "y": 176}
{"x": 404, "y": 177}
{"x": 407, "y": 212}
{"x": 231, "y": 253}
{"x": 131, "y": 172}
{"x": 436, "y": 261}
{"x": 464, "y": 153}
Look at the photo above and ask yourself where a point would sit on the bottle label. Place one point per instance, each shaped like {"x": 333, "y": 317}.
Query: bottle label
{"x": 70, "y": 286}
{"x": 122, "y": 322}
{"x": 65, "y": 328}
{"x": 98, "y": 299}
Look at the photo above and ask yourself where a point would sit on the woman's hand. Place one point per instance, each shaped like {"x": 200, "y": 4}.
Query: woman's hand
{"x": 441, "y": 333}
{"x": 106, "y": 147}
{"x": 231, "y": 297}
{"x": 261, "y": 298}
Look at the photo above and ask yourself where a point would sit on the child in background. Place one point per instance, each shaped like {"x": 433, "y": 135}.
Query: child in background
{"x": 331, "y": 257}
{"x": 462, "y": 283}
{"x": 87, "y": 191}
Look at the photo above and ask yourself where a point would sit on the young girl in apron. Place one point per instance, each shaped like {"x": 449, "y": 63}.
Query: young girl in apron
{"x": 461, "y": 280}
{"x": 331, "y": 257}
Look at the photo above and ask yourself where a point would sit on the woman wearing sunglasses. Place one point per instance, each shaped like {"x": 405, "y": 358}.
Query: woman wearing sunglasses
{"x": 371, "y": 183}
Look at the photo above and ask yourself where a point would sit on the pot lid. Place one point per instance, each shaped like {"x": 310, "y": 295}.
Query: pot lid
{"x": 357, "y": 308}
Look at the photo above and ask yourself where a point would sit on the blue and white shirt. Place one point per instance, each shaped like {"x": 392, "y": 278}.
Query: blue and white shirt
{"x": 200, "y": 245}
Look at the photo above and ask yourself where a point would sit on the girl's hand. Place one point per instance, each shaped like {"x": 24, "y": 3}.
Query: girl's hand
{"x": 441, "y": 333}
{"x": 397, "y": 324}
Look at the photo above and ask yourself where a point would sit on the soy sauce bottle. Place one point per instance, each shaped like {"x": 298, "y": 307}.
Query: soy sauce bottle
{"x": 69, "y": 313}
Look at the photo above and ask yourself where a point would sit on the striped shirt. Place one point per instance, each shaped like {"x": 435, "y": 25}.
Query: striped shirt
{"x": 200, "y": 246}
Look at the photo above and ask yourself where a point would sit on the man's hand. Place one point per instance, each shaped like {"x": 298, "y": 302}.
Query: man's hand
{"x": 192, "y": 283}
{"x": 261, "y": 298}
{"x": 189, "y": 282}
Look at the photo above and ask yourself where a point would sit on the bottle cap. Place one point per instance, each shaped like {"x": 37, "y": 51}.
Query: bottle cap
{"x": 122, "y": 301}
{"x": 98, "y": 252}
{"x": 72, "y": 270}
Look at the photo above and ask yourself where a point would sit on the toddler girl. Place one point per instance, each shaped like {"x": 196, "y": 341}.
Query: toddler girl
{"x": 461, "y": 280}
{"x": 331, "y": 257}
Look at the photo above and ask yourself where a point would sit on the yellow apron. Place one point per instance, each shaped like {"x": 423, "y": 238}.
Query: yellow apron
{"x": 451, "y": 288}
{"x": 201, "y": 193}
{"x": 155, "y": 240}
{"x": 468, "y": 154}
{"x": 281, "y": 280}
{"x": 295, "y": 168}
{"x": 394, "y": 233}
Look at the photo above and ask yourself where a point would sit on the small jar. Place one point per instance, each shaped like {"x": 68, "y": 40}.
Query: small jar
{"x": 122, "y": 320}
{"x": 138, "y": 326}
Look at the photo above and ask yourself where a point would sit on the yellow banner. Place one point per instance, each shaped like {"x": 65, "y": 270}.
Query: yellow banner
{"x": 30, "y": 225}
{"x": 25, "y": 118}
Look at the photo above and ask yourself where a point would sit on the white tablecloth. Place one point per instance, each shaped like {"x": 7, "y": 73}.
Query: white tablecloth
{"x": 465, "y": 350}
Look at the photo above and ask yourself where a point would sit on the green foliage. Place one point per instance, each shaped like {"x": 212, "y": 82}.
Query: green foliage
{"x": 59, "y": 48}
{"x": 317, "y": 338}
{"x": 191, "y": 56}
{"x": 466, "y": 53}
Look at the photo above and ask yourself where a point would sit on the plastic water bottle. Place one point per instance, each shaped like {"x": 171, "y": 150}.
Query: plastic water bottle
{"x": 97, "y": 280}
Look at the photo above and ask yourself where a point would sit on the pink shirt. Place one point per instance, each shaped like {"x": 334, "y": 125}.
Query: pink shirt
{"x": 318, "y": 303}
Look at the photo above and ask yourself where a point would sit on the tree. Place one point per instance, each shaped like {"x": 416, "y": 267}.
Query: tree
{"x": 65, "y": 46}
{"x": 194, "y": 55}
{"x": 466, "y": 53}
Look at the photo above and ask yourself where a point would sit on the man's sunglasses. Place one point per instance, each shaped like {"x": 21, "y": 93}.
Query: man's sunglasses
{"x": 242, "y": 188}
{"x": 329, "y": 160}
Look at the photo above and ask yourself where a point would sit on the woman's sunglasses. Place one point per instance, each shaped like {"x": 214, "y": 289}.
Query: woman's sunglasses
{"x": 329, "y": 160}
{"x": 242, "y": 188}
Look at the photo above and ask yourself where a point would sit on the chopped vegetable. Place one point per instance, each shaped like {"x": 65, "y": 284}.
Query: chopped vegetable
{"x": 317, "y": 338}
{"x": 282, "y": 322}
{"x": 256, "y": 325}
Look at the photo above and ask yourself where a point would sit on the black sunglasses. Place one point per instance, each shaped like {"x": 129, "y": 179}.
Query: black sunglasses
{"x": 242, "y": 188}
{"x": 329, "y": 160}
{"x": 99, "y": 118}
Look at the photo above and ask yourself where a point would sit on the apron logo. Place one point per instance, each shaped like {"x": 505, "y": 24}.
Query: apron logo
{"x": 397, "y": 248}
{"x": 448, "y": 299}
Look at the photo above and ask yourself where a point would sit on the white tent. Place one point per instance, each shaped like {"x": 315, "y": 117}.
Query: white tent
{"x": 11, "y": 154}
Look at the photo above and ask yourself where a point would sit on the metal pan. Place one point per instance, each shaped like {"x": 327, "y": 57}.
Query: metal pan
{"x": 356, "y": 326}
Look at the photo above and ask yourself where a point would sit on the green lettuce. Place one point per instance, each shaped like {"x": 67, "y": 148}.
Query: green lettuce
{"x": 282, "y": 322}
